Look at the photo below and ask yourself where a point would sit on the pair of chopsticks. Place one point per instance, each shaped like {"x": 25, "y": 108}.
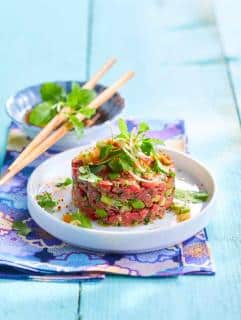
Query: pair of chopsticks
{"x": 59, "y": 125}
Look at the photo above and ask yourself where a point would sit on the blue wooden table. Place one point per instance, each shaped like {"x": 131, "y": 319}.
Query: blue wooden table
{"x": 186, "y": 55}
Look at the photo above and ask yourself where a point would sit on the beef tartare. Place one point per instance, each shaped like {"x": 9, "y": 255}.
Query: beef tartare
{"x": 125, "y": 180}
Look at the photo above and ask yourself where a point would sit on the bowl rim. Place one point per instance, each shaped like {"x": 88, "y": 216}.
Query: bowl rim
{"x": 118, "y": 233}
{"x": 36, "y": 129}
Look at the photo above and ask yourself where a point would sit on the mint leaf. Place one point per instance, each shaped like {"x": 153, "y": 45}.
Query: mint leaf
{"x": 79, "y": 97}
{"x": 21, "y": 228}
{"x": 77, "y": 124}
{"x": 41, "y": 114}
{"x": 51, "y": 92}
{"x": 46, "y": 201}
{"x": 65, "y": 183}
{"x": 86, "y": 175}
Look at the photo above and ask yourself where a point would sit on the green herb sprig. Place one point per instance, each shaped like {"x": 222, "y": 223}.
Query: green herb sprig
{"x": 46, "y": 201}
{"x": 55, "y": 98}
{"x": 21, "y": 228}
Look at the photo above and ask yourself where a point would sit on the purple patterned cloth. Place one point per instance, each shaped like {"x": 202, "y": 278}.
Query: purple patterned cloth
{"x": 40, "y": 256}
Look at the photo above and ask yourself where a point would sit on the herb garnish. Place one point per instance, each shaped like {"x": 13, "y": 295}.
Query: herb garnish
{"x": 54, "y": 98}
{"x": 80, "y": 219}
{"x": 131, "y": 152}
{"x": 46, "y": 201}
{"x": 65, "y": 183}
{"x": 21, "y": 228}
{"x": 85, "y": 174}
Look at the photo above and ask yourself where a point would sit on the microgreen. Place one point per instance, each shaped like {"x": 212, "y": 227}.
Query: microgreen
{"x": 21, "y": 228}
{"x": 105, "y": 151}
{"x": 65, "y": 183}
{"x": 85, "y": 174}
{"x": 143, "y": 127}
{"x": 123, "y": 129}
{"x": 46, "y": 201}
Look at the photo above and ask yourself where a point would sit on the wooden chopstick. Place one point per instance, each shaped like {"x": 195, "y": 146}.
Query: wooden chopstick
{"x": 61, "y": 131}
{"x": 62, "y": 116}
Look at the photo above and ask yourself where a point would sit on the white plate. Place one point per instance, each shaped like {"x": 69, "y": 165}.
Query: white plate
{"x": 160, "y": 234}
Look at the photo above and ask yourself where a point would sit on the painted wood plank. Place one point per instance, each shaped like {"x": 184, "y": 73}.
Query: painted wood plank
{"x": 228, "y": 21}
{"x": 200, "y": 93}
{"x": 40, "y": 41}
{"x": 33, "y": 300}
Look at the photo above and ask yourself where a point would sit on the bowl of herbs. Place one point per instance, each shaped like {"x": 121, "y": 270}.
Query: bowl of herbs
{"x": 33, "y": 107}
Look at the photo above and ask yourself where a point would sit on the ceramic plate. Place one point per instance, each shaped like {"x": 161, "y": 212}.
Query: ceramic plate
{"x": 162, "y": 233}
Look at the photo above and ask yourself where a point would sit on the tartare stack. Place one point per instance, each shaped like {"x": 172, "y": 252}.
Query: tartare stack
{"x": 125, "y": 180}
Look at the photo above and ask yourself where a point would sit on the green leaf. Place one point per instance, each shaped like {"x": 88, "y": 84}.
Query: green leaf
{"x": 21, "y": 228}
{"x": 126, "y": 162}
{"x": 115, "y": 165}
{"x": 97, "y": 168}
{"x": 79, "y": 97}
{"x": 105, "y": 151}
{"x": 101, "y": 213}
{"x": 51, "y": 92}
{"x": 77, "y": 124}
{"x": 143, "y": 127}
{"x": 87, "y": 112}
{"x": 41, "y": 114}
{"x": 123, "y": 128}
{"x": 147, "y": 147}
{"x": 86, "y": 175}
{"x": 137, "y": 204}
{"x": 159, "y": 167}
{"x": 191, "y": 196}
{"x": 113, "y": 175}
{"x": 65, "y": 183}
{"x": 83, "y": 220}
{"x": 46, "y": 201}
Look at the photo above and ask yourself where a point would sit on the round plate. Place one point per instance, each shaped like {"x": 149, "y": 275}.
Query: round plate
{"x": 161, "y": 233}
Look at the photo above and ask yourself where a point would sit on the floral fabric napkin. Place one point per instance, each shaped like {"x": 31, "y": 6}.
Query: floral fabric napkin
{"x": 40, "y": 256}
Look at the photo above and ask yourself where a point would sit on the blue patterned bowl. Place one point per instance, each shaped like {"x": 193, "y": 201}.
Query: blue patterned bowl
{"x": 17, "y": 107}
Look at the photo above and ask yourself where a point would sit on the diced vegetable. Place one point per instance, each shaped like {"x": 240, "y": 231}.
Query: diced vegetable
{"x": 101, "y": 213}
{"x": 137, "y": 204}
